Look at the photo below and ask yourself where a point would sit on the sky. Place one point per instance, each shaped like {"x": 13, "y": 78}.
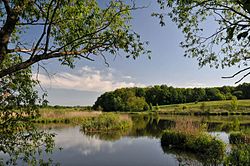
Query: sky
{"x": 88, "y": 80}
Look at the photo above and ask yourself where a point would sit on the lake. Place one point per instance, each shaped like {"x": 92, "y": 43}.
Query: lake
{"x": 139, "y": 146}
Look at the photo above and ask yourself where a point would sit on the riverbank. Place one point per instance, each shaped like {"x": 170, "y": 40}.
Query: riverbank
{"x": 219, "y": 109}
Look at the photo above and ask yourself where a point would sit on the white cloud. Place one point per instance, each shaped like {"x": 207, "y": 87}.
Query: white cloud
{"x": 87, "y": 79}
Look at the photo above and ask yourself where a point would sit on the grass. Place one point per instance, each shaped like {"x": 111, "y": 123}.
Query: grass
{"x": 239, "y": 155}
{"x": 210, "y": 108}
{"x": 105, "y": 122}
{"x": 75, "y": 115}
{"x": 71, "y": 115}
{"x": 187, "y": 136}
{"x": 239, "y": 138}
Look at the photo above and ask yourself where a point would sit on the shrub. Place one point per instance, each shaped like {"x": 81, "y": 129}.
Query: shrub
{"x": 239, "y": 155}
{"x": 184, "y": 107}
{"x": 238, "y": 138}
{"x": 234, "y": 103}
{"x": 203, "y": 106}
{"x": 177, "y": 139}
{"x": 203, "y": 144}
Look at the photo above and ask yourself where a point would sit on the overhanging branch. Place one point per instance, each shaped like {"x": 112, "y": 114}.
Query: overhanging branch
{"x": 239, "y": 72}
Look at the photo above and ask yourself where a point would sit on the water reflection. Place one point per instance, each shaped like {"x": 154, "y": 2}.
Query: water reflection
{"x": 139, "y": 145}
{"x": 81, "y": 149}
{"x": 24, "y": 143}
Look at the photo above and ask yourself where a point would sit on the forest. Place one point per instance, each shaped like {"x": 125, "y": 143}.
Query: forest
{"x": 142, "y": 99}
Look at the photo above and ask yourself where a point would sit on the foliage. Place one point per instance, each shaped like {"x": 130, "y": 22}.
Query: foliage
{"x": 239, "y": 155}
{"x": 67, "y": 30}
{"x": 26, "y": 144}
{"x": 124, "y": 99}
{"x": 203, "y": 106}
{"x": 226, "y": 45}
{"x": 201, "y": 143}
{"x": 238, "y": 138}
{"x": 234, "y": 103}
{"x": 20, "y": 140}
{"x": 141, "y": 99}
{"x": 105, "y": 122}
{"x": 17, "y": 95}
{"x": 190, "y": 136}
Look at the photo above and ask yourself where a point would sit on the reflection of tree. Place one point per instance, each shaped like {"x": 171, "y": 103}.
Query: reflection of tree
{"x": 183, "y": 158}
{"x": 187, "y": 158}
{"x": 23, "y": 143}
{"x": 108, "y": 136}
{"x": 146, "y": 125}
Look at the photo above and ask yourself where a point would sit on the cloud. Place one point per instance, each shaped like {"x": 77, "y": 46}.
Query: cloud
{"x": 87, "y": 79}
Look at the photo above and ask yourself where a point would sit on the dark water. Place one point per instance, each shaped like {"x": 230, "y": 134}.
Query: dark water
{"x": 139, "y": 146}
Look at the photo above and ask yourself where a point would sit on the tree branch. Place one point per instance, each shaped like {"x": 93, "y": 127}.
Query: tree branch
{"x": 7, "y": 6}
{"x": 248, "y": 68}
{"x": 37, "y": 58}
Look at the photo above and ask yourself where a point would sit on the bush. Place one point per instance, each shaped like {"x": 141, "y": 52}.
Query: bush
{"x": 234, "y": 103}
{"x": 239, "y": 155}
{"x": 203, "y": 106}
{"x": 238, "y": 138}
{"x": 203, "y": 144}
{"x": 176, "y": 139}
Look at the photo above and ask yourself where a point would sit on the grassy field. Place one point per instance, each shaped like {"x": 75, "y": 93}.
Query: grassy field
{"x": 212, "y": 107}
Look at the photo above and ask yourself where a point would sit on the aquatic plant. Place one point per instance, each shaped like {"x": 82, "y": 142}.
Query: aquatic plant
{"x": 202, "y": 144}
{"x": 238, "y": 138}
{"x": 239, "y": 155}
{"x": 105, "y": 122}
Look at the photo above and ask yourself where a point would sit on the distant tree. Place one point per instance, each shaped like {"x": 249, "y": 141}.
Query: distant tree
{"x": 228, "y": 43}
{"x": 128, "y": 99}
{"x": 238, "y": 94}
{"x": 213, "y": 94}
{"x": 199, "y": 94}
{"x": 245, "y": 89}
{"x": 135, "y": 104}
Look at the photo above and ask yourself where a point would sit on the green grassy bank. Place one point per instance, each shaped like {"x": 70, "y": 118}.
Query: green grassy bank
{"x": 225, "y": 107}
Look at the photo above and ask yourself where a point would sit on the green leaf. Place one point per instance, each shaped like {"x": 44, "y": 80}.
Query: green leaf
{"x": 242, "y": 35}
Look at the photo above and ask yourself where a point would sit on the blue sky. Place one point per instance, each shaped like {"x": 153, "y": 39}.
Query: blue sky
{"x": 83, "y": 84}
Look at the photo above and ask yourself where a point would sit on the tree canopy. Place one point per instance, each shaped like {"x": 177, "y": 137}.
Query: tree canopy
{"x": 142, "y": 99}
{"x": 65, "y": 29}
{"x": 228, "y": 43}
{"x": 35, "y": 30}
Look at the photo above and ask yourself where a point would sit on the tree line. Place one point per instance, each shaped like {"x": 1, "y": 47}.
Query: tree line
{"x": 142, "y": 99}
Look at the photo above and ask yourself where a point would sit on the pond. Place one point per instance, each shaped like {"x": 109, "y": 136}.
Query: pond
{"x": 139, "y": 146}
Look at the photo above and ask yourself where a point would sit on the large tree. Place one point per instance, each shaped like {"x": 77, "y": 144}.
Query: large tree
{"x": 216, "y": 31}
{"x": 35, "y": 30}
{"x": 64, "y": 29}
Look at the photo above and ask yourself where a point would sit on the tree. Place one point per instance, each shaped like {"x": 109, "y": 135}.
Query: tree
{"x": 229, "y": 43}
{"x": 68, "y": 30}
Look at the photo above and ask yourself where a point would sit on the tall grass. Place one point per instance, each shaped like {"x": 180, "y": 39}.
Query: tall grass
{"x": 105, "y": 122}
{"x": 191, "y": 137}
{"x": 64, "y": 115}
